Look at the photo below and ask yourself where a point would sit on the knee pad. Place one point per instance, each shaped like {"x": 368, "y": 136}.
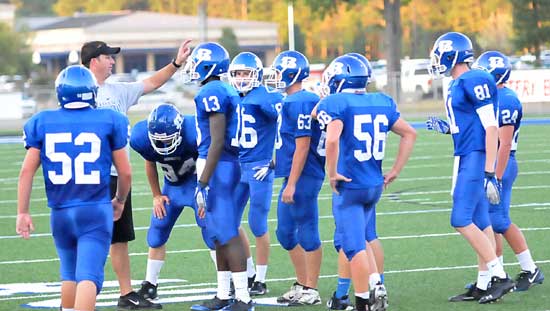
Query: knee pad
{"x": 287, "y": 240}
{"x": 96, "y": 279}
{"x": 500, "y": 224}
{"x": 350, "y": 253}
{"x": 308, "y": 235}
{"x": 257, "y": 220}
{"x": 207, "y": 240}
{"x": 337, "y": 242}
{"x": 458, "y": 221}
{"x": 156, "y": 237}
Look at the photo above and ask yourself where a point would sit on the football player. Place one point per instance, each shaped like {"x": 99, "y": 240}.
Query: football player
{"x": 509, "y": 118}
{"x": 168, "y": 139}
{"x": 76, "y": 146}
{"x": 356, "y": 125}
{"x": 300, "y": 161}
{"x": 340, "y": 298}
{"x": 471, "y": 104}
{"x": 218, "y": 172}
{"x": 258, "y": 130}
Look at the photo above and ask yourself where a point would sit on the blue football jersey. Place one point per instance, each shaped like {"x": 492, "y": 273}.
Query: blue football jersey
{"x": 76, "y": 148}
{"x": 258, "y": 124}
{"x": 178, "y": 166}
{"x": 218, "y": 97}
{"x": 367, "y": 119}
{"x": 472, "y": 90}
{"x": 296, "y": 121}
{"x": 510, "y": 112}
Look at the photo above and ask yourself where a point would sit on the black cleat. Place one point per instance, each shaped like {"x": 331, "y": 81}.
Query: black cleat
{"x": 340, "y": 303}
{"x": 497, "y": 288}
{"x": 473, "y": 293}
{"x": 148, "y": 291}
{"x": 251, "y": 281}
{"x": 213, "y": 304}
{"x": 258, "y": 288}
{"x": 378, "y": 298}
{"x": 526, "y": 279}
{"x": 133, "y": 301}
{"x": 362, "y": 304}
{"x": 239, "y": 305}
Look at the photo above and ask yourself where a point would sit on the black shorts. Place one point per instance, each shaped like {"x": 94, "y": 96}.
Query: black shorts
{"x": 123, "y": 229}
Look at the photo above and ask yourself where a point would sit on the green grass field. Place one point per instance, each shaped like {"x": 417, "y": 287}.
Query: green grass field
{"x": 426, "y": 262}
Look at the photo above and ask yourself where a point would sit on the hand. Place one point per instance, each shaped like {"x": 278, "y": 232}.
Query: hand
{"x": 201, "y": 198}
{"x": 158, "y": 206}
{"x": 389, "y": 178}
{"x": 288, "y": 194}
{"x": 262, "y": 171}
{"x": 493, "y": 187}
{"x": 24, "y": 225}
{"x": 183, "y": 52}
{"x": 118, "y": 208}
{"x": 334, "y": 181}
{"x": 438, "y": 125}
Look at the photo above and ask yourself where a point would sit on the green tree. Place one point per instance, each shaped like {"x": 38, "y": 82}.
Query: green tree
{"x": 229, "y": 41}
{"x": 33, "y": 7}
{"x": 16, "y": 56}
{"x": 299, "y": 40}
{"x": 532, "y": 24}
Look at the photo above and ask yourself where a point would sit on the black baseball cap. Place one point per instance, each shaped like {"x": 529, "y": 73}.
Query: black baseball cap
{"x": 93, "y": 49}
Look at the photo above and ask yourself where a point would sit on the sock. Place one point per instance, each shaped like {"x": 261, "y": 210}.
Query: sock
{"x": 153, "y": 270}
{"x": 374, "y": 279}
{"x": 342, "y": 288}
{"x": 213, "y": 257}
{"x": 250, "y": 271}
{"x": 261, "y": 271}
{"x": 224, "y": 279}
{"x": 382, "y": 278}
{"x": 501, "y": 259}
{"x": 526, "y": 261}
{"x": 240, "y": 279}
{"x": 483, "y": 279}
{"x": 364, "y": 295}
{"x": 496, "y": 269}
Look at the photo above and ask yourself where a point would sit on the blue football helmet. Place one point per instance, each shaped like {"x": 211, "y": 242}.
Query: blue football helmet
{"x": 76, "y": 87}
{"x": 495, "y": 63}
{"x": 450, "y": 49}
{"x": 164, "y": 129}
{"x": 207, "y": 59}
{"x": 344, "y": 72}
{"x": 365, "y": 62}
{"x": 250, "y": 63}
{"x": 288, "y": 68}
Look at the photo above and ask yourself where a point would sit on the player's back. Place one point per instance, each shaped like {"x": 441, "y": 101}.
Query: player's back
{"x": 177, "y": 166}
{"x": 76, "y": 148}
{"x": 469, "y": 92}
{"x": 367, "y": 119}
{"x": 297, "y": 122}
{"x": 510, "y": 112}
{"x": 259, "y": 124}
{"x": 218, "y": 97}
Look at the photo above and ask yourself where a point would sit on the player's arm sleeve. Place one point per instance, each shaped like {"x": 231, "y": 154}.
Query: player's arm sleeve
{"x": 394, "y": 113}
{"x": 121, "y": 131}
{"x": 509, "y": 111}
{"x": 327, "y": 111}
{"x": 303, "y": 119}
{"x": 480, "y": 90}
{"x": 31, "y": 135}
{"x": 213, "y": 102}
{"x": 133, "y": 92}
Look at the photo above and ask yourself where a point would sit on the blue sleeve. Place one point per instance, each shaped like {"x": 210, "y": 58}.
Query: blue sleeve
{"x": 509, "y": 110}
{"x": 121, "y": 131}
{"x": 393, "y": 114}
{"x": 303, "y": 118}
{"x": 213, "y": 100}
{"x": 268, "y": 106}
{"x": 139, "y": 137}
{"x": 190, "y": 134}
{"x": 481, "y": 90}
{"x": 31, "y": 135}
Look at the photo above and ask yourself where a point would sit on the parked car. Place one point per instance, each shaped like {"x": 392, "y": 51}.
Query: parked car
{"x": 415, "y": 77}
{"x": 16, "y": 105}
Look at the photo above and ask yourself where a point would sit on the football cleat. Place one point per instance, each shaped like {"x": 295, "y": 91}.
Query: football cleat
{"x": 258, "y": 289}
{"x": 251, "y": 281}
{"x": 526, "y": 279}
{"x": 497, "y": 288}
{"x": 212, "y": 305}
{"x": 239, "y": 305}
{"x": 308, "y": 297}
{"x": 148, "y": 291}
{"x": 294, "y": 293}
{"x": 133, "y": 301}
{"x": 473, "y": 293}
{"x": 343, "y": 303}
{"x": 378, "y": 298}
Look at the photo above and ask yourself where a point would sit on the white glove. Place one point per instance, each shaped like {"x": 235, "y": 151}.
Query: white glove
{"x": 262, "y": 171}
